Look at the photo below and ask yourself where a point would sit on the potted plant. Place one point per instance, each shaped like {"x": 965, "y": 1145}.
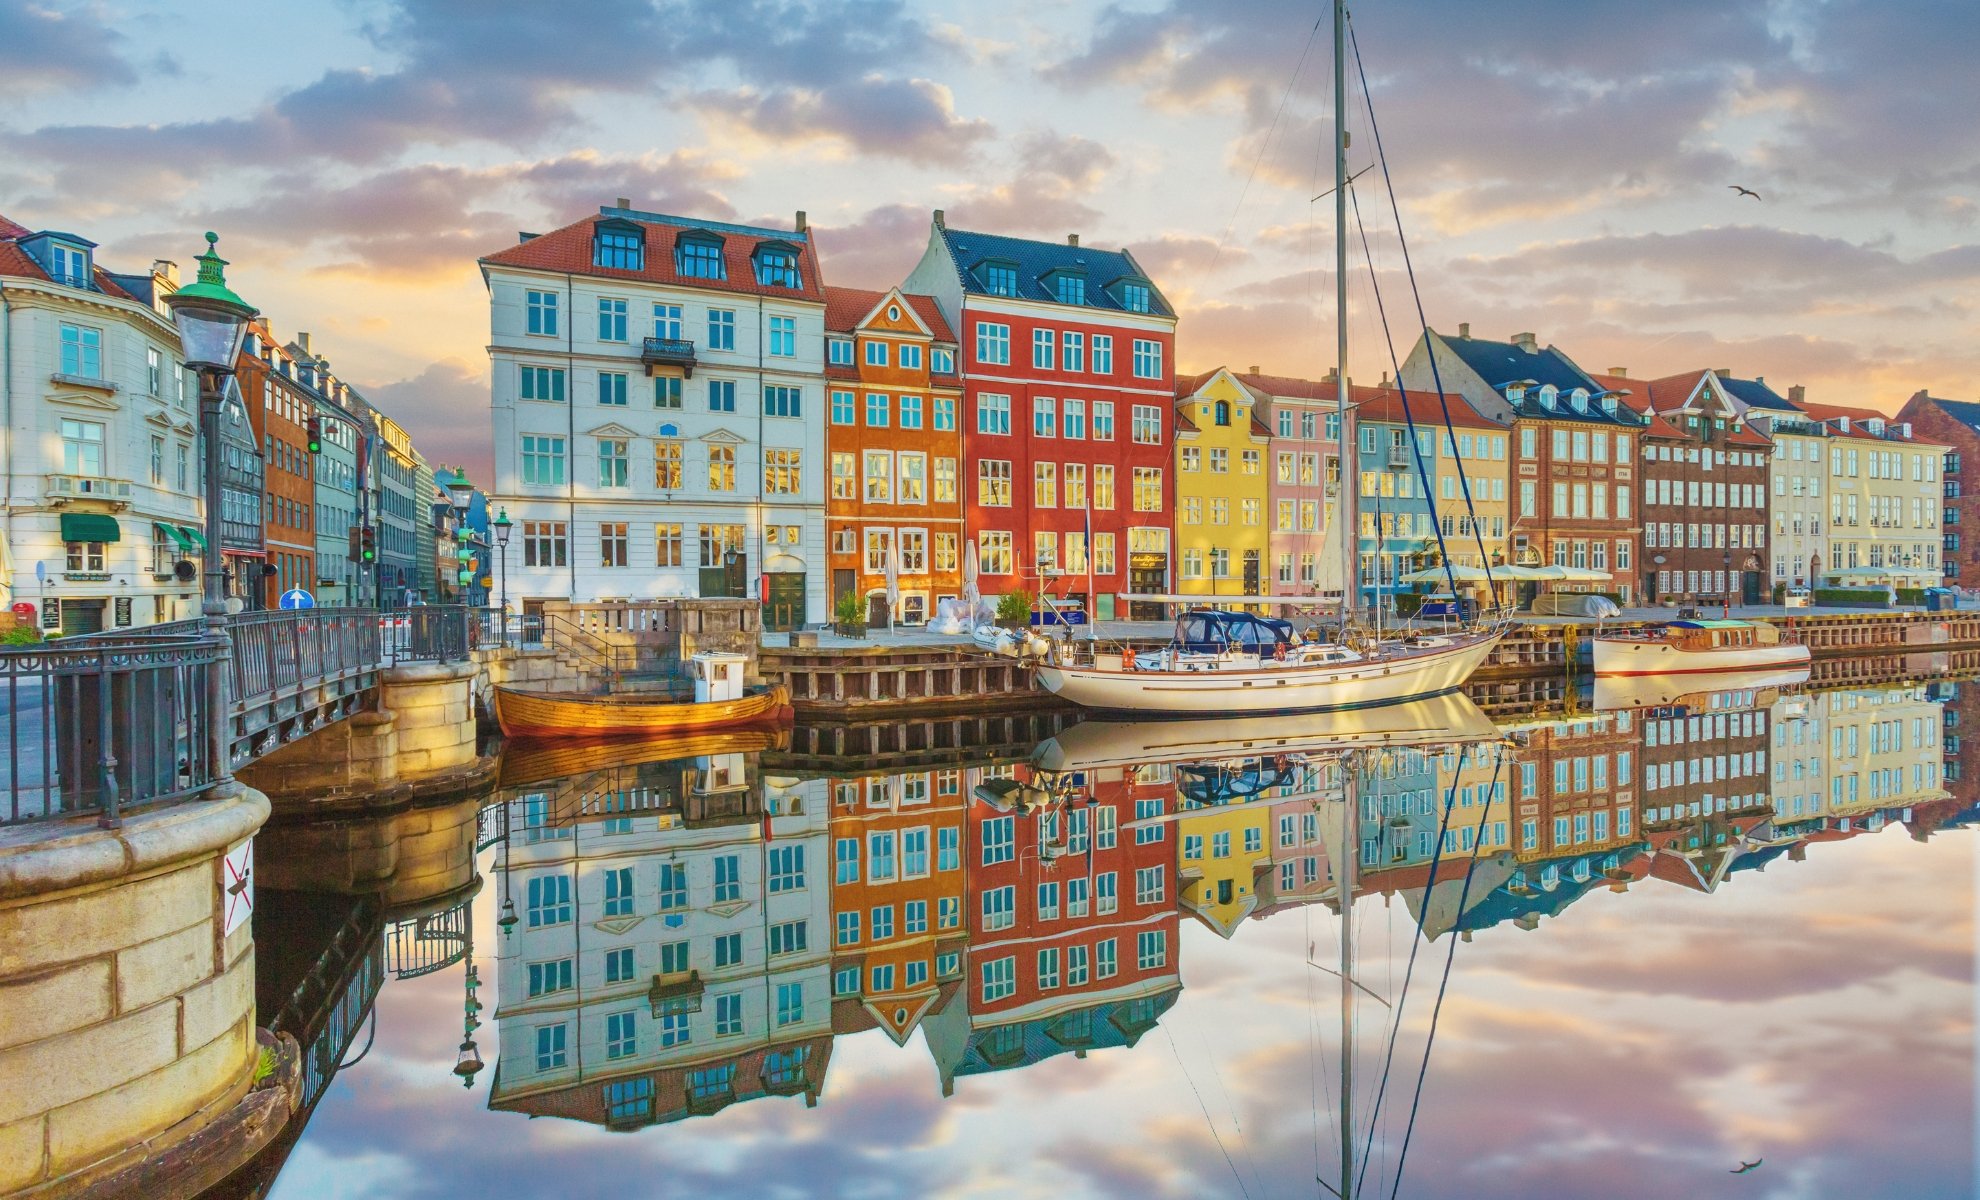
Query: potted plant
{"x": 849, "y": 616}
{"x": 1014, "y": 609}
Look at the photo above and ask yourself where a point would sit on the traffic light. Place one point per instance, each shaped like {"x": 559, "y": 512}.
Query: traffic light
{"x": 316, "y": 435}
{"x": 368, "y": 544}
{"x": 356, "y": 551}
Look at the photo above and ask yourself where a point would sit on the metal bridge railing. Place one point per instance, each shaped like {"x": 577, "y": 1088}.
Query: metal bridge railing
{"x": 104, "y": 724}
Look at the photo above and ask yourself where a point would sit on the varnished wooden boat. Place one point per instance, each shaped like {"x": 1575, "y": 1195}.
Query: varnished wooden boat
{"x": 579, "y": 715}
{"x": 527, "y": 761}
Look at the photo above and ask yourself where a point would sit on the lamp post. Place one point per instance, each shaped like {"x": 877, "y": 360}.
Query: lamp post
{"x": 501, "y": 526}
{"x": 212, "y": 323}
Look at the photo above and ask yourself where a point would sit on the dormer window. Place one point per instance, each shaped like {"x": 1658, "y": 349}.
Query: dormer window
{"x": 1579, "y": 398}
{"x": 1070, "y": 289}
{"x": 1000, "y": 279}
{"x": 700, "y": 258}
{"x": 1223, "y": 412}
{"x": 1515, "y": 392}
{"x": 1609, "y": 405}
{"x": 1134, "y": 297}
{"x": 942, "y": 362}
{"x": 620, "y": 246}
{"x": 1547, "y": 394}
{"x": 776, "y": 266}
{"x": 841, "y": 350}
{"x": 68, "y": 264}
{"x": 1875, "y": 426}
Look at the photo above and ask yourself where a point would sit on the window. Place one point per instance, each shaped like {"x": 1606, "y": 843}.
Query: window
{"x": 621, "y": 1037}
{"x": 999, "y": 978}
{"x": 612, "y": 544}
{"x": 1103, "y": 354}
{"x": 69, "y": 264}
{"x": 948, "y": 849}
{"x": 1045, "y": 485}
{"x": 783, "y": 473}
{"x": 544, "y": 543}
{"x": 993, "y": 414}
{"x": 1147, "y": 359}
{"x": 790, "y": 1003}
{"x": 1147, "y": 426}
{"x": 876, "y": 353}
{"x": 1103, "y": 486}
{"x": 548, "y": 977}
{"x": 552, "y": 1042}
{"x": 847, "y": 929}
{"x": 914, "y": 478}
{"x": 618, "y": 892}
{"x": 612, "y": 389}
{"x": 999, "y": 907}
{"x": 543, "y": 383}
{"x": 783, "y": 401}
{"x": 611, "y": 320}
{"x": 993, "y": 551}
{"x": 1044, "y": 349}
{"x": 667, "y": 391}
{"x": 549, "y": 900}
{"x": 721, "y": 329}
{"x": 541, "y": 313}
{"x": 993, "y": 344}
{"x": 910, "y": 358}
{"x": 620, "y": 249}
{"x": 783, "y": 337}
{"x": 839, "y": 352}
{"x": 786, "y": 867}
{"x": 883, "y": 922}
{"x": 667, "y": 321}
{"x": 776, "y": 267}
{"x": 614, "y": 462}
{"x": 942, "y": 362}
{"x": 721, "y": 468}
{"x": 993, "y": 482}
{"x": 666, "y": 465}
{"x": 700, "y": 258}
{"x": 1000, "y": 279}
{"x": 789, "y": 937}
{"x": 1147, "y": 489}
{"x": 1106, "y": 959}
{"x": 1151, "y": 949}
{"x": 673, "y": 892}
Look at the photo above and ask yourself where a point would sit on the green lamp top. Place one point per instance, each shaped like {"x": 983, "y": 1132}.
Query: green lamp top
{"x": 212, "y": 281}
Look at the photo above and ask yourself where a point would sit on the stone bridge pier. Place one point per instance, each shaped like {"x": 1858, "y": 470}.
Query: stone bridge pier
{"x": 419, "y": 739}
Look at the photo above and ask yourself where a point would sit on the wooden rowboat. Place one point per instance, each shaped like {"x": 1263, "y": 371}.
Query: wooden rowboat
{"x": 580, "y": 715}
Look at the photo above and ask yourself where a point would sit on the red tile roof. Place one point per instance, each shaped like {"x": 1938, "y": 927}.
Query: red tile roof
{"x": 1384, "y": 403}
{"x": 570, "y": 250}
{"x": 845, "y": 307}
{"x": 1671, "y": 391}
{"x": 12, "y": 229}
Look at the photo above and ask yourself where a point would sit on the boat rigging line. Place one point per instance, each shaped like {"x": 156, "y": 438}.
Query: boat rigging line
{"x": 1208, "y": 1120}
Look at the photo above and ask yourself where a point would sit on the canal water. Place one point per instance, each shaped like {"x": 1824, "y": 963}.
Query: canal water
{"x": 1615, "y": 951}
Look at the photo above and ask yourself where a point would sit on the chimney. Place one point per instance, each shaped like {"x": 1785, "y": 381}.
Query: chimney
{"x": 802, "y": 222}
{"x": 1723, "y": 372}
{"x": 624, "y": 202}
{"x": 1254, "y": 369}
{"x": 941, "y": 221}
{"x": 1797, "y": 394}
{"x": 1072, "y": 239}
{"x": 1464, "y": 330}
{"x": 1329, "y": 377}
{"x": 1619, "y": 372}
{"x": 302, "y": 339}
{"x": 165, "y": 269}
{"x": 1526, "y": 342}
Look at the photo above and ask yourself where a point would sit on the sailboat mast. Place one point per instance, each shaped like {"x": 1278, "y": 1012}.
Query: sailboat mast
{"x": 1350, "y": 547}
{"x": 1344, "y": 507}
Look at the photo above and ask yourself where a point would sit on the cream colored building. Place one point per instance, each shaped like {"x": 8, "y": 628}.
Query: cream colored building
{"x": 101, "y": 439}
{"x": 1843, "y": 757}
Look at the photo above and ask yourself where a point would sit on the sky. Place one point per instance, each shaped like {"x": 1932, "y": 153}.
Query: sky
{"x": 1559, "y": 168}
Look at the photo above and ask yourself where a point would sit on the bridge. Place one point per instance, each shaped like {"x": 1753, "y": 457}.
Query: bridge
{"x": 108, "y": 722}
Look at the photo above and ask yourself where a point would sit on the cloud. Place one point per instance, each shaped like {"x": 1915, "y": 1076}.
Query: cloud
{"x": 911, "y": 119}
{"x": 445, "y": 408}
{"x": 43, "y": 50}
{"x": 1046, "y": 193}
{"x": 876, "y": 250}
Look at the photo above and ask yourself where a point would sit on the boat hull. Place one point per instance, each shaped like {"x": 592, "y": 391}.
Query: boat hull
{"x": 1363, "y": 684}
{"x": 1621, "y": 658}
{"x": 574, "y": 715}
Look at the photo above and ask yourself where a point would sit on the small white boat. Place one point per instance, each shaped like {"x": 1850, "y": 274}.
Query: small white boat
{"x": 1223, "y": 663}
{"x": 1696, "y": 648}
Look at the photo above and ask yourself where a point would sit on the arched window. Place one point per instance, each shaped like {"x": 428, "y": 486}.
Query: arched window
{"x": 1223, "y": 412}
{"x": 1547, "y": 394}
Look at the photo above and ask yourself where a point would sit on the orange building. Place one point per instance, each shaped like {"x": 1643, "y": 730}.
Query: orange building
{"x": 279, "y": 409}
{"x": 897, "y": 895}
{"x": 895, "y": 447}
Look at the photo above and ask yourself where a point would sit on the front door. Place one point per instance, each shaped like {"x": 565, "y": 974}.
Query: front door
{"x": 1750, "y": 594}
{"x": 843, "y": 582}
{"x": 786, "y": 609}
{"x": 81, "y": 616}
{"x": 1251, "y": 565}
{"x": 1149, "y": 575}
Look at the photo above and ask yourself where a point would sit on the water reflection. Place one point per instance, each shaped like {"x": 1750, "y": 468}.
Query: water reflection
{"x": 697, "y": 922}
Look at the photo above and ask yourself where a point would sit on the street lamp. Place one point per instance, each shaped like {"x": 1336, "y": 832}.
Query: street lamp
{"x": 460, "y": 493}
{"x": 501, "y": 526}
{"x": 212, "y": 322}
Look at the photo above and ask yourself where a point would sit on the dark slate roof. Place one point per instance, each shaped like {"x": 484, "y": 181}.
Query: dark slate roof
{"x": 1754, "y": 393}
{"x": 1966, "y": 412}
{"x": 1501, "y": 363}
{"x": 1036, "y": 261}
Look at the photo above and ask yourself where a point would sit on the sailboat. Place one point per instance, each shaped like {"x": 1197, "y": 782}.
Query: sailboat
{"x": 1220, "y": 661}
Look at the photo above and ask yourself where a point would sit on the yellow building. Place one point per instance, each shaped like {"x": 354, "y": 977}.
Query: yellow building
{"x": 1474, "y": 448}
{"x": 1222, "y": 851}
{"x": 1221, "y": 534}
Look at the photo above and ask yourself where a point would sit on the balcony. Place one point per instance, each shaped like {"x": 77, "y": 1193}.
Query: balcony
{"x": 677, "y": 992}
{"x": 1399, "y": 458}
{"x": 666, "y": 354}
{"x": 63, "y": 488}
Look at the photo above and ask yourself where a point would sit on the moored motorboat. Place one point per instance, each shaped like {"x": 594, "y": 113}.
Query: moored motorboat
{"x": 1695, "y": 648}
{"x": 721, "y": 701}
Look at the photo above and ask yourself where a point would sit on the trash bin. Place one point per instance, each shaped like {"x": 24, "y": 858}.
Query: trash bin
{"x": 1940, "y": 600}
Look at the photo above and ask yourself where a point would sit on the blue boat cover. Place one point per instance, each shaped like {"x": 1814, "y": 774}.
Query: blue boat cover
{"x": 1211, "y": 630}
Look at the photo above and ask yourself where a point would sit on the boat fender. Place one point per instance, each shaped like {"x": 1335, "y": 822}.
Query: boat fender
{"x": 1279, "y": 652}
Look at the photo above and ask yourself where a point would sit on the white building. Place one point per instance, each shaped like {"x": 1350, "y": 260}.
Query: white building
{"x": 1846, "y": 757}
{"x": 102, "y": 458}
{"x": 672, "y": 951}
{"x": 658, "y": 385}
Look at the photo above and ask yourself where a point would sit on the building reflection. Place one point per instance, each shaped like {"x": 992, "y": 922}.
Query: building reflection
{"x": 693, "y": 929}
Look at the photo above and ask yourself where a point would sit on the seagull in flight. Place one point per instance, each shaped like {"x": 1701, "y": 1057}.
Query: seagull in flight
{"x": 1744, "y": 191}
{"x": 1744, "y": 1167}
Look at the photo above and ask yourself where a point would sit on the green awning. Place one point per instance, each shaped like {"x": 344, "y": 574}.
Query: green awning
{"x": 90, "y": 527}
{"x": 194, "y": 539}
{"x": 176, "y": 534}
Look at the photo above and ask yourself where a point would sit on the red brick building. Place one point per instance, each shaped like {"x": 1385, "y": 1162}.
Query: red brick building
{"x": 279, "y": 410}
{"x": 1068, "y": 364}
{"x": 1956, "y": 425}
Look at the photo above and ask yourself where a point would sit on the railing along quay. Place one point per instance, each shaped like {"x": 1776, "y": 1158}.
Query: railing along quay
{"x": 913, "y": 743}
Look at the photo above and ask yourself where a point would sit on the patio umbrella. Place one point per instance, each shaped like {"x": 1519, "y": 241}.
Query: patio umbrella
{"x": 1463, "y": 574}
{"x": 971, "y": 600}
